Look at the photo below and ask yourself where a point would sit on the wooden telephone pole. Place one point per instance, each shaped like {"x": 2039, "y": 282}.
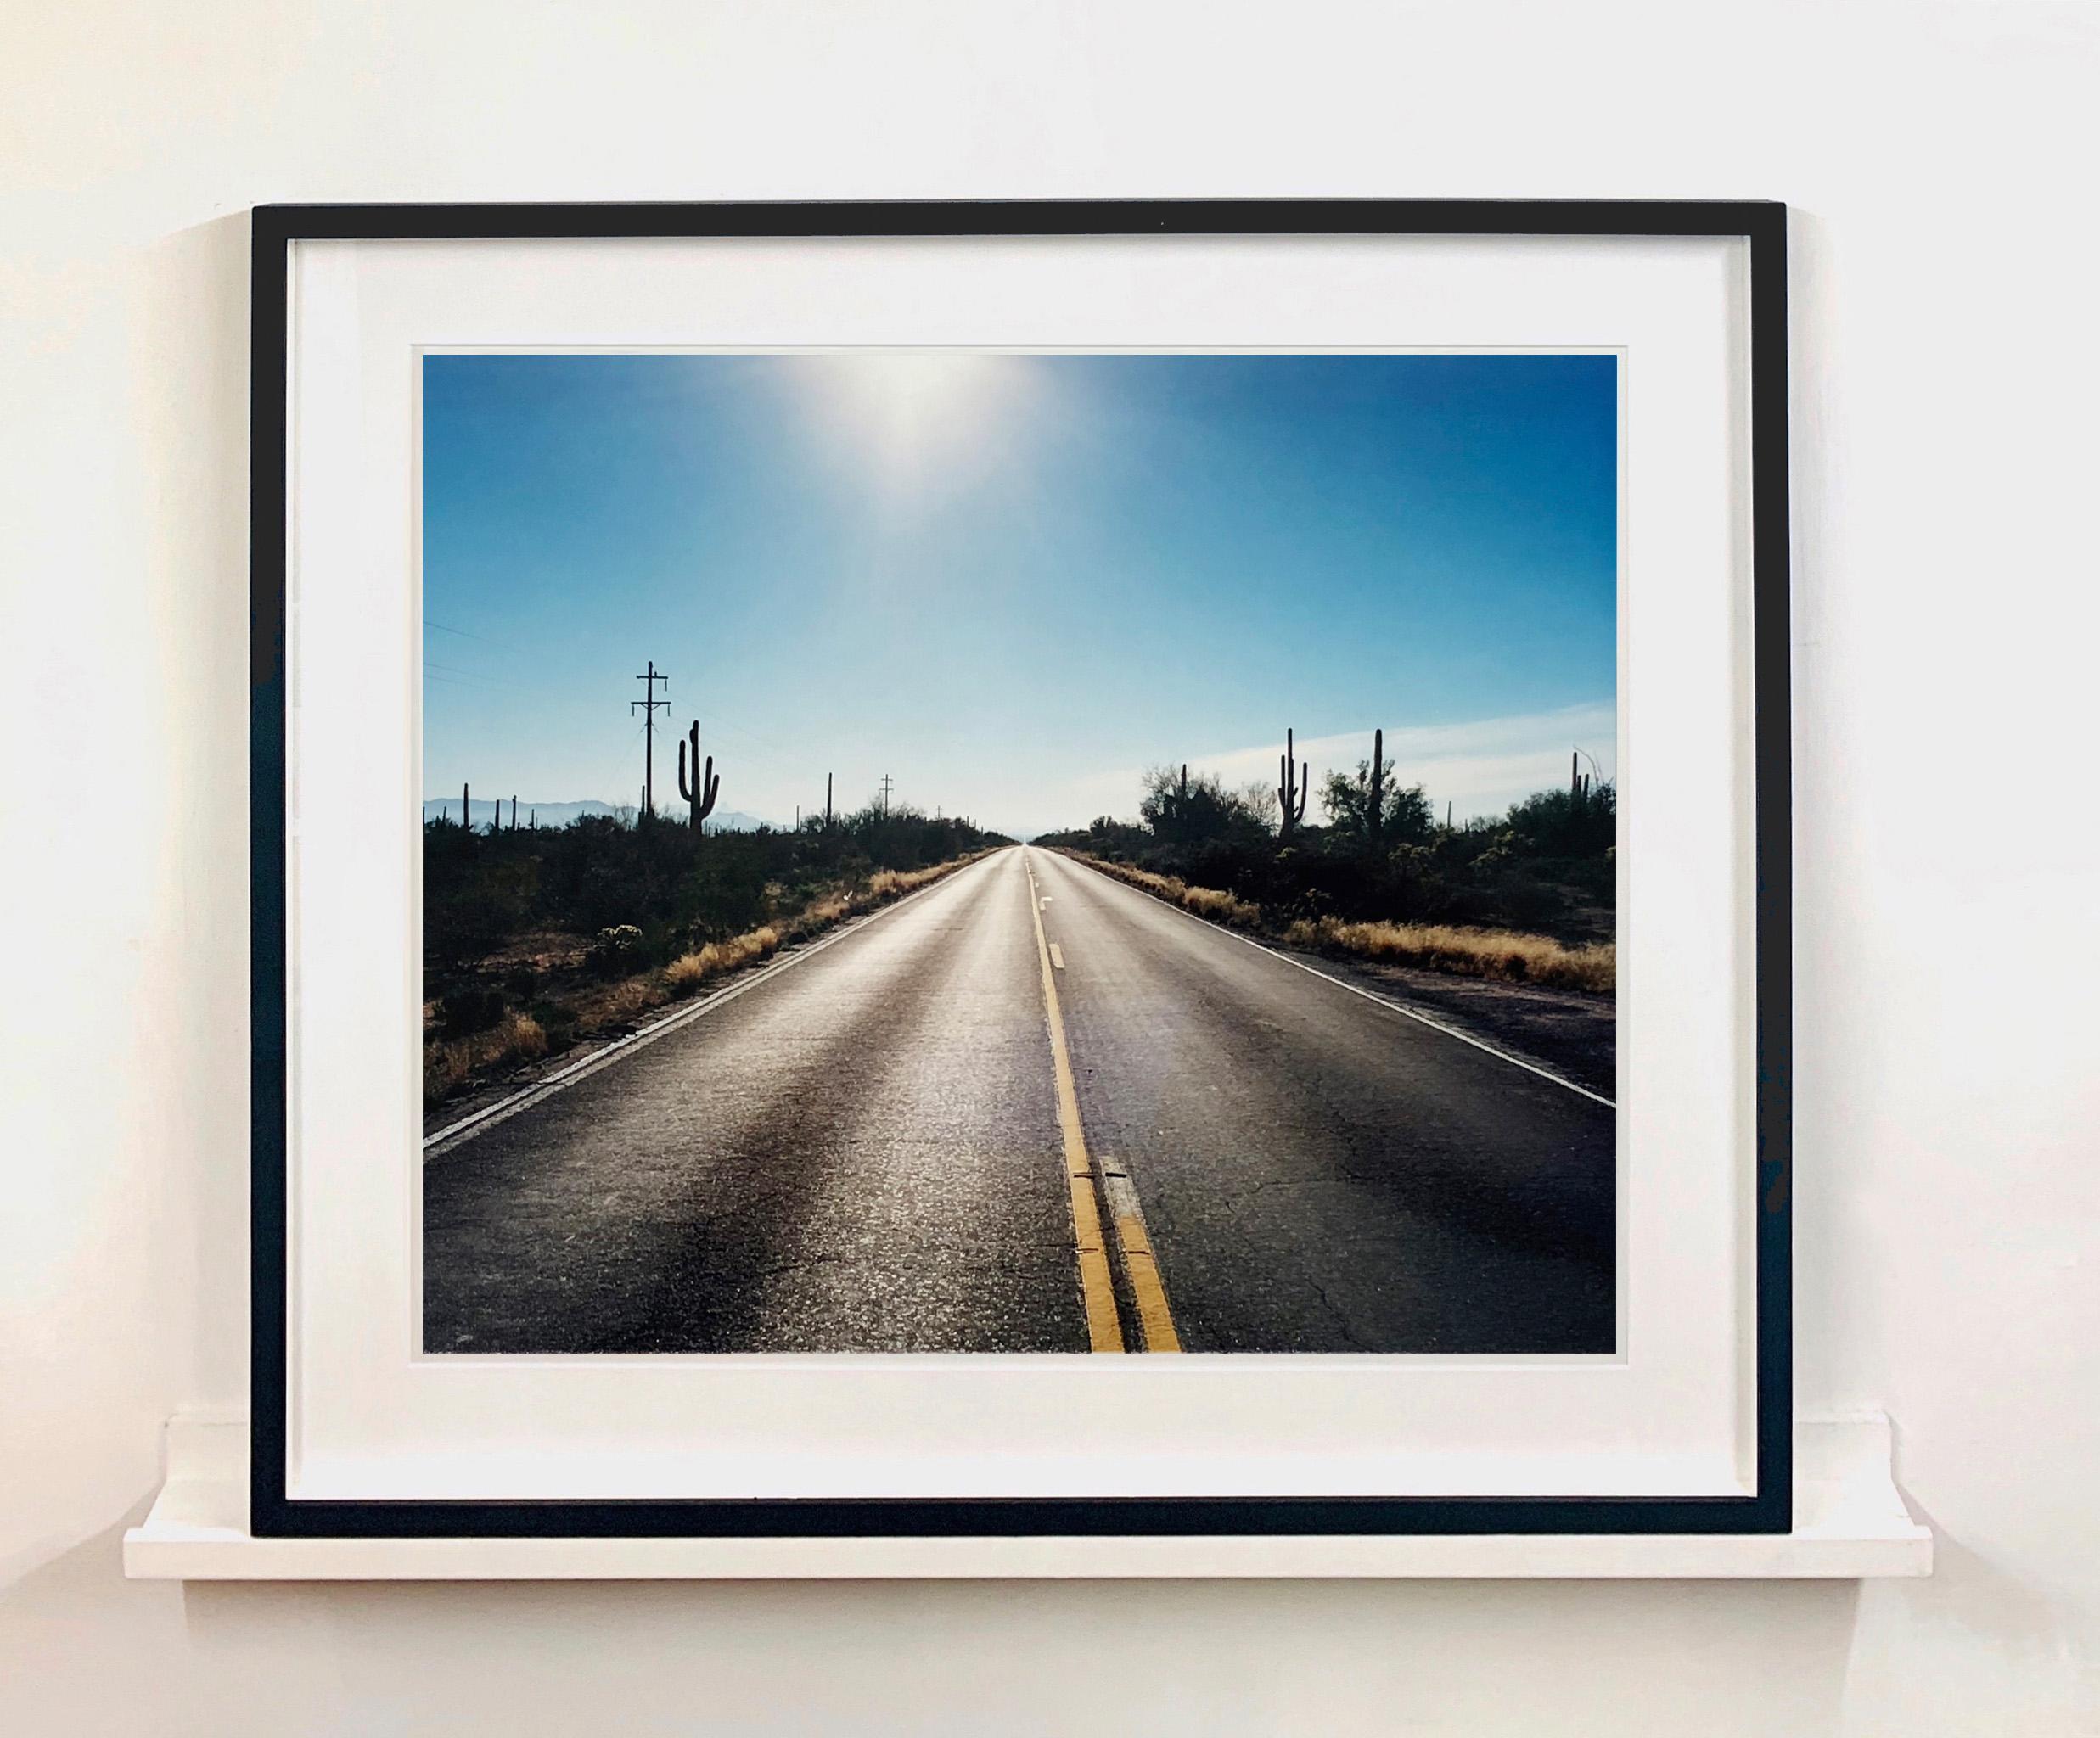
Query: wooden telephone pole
{"x": 648, "y": 709}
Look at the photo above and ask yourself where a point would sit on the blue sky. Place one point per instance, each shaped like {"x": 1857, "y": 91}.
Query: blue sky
{"x": 1011, "y": 581}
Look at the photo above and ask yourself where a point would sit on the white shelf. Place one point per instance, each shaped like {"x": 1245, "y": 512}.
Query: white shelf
{"x": 1850, "y": 1522}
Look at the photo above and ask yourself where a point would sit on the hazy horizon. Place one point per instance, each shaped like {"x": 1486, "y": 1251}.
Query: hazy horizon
{"x": 1012, "y": 582}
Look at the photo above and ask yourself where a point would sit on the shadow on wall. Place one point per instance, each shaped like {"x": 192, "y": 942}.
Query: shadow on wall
{"x": 83, "y": 1651}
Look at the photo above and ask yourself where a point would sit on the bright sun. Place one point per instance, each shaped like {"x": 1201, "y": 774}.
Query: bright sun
{"x": 922, "y": 417}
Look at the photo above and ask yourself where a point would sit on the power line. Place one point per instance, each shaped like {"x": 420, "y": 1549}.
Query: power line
{"x": 462, "y": 632}
{"x": 472, "y": 676}
{"x": 798, "y": 750}
{"x": 791, "y": 752}
{"x": 766, "y": 751}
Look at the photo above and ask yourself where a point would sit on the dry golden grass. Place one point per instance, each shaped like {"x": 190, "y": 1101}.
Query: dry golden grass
{"x": 516, "y": 1038}
{"x": 686, "y": 973}
{"x": 1205, "y": 901}
{"x": 616, "y": 1004}
{"x": 1221, "y": 907}
{"x": 820, "y": 914}
{"x": 519, "y": 1038}
{"x": 892, "y": 883}
{"x": 1505, "y": 955}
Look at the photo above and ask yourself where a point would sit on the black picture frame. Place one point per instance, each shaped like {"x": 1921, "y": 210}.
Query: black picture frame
{"x": 273, "y": 1513}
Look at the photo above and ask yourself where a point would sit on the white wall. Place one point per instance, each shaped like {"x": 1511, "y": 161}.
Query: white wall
{"x": 1939, "y": 160}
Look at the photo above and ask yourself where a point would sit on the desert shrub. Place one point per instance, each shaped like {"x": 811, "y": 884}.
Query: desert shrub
{"x": 474, "y": 894}
{"x": 1545, "y": 864}
{"x": 615, "y": 949}
{"x": 1404, "y": 810}
{"x": 482, "y": 889}
{"x": 469, "y": 1009}
{"x": 620, "y": 984}
{"x": 1565, "y": 823}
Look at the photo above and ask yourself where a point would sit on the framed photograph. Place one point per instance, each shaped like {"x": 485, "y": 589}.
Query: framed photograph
{"x": 1031, "y": 869}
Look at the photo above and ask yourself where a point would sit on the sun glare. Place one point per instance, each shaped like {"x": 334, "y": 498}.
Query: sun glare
{"x": 921, "y": 418}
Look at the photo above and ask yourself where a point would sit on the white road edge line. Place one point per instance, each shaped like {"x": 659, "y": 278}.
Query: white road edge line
{"x": 459, "y": 1133}
{"x": 1357, "y": 990}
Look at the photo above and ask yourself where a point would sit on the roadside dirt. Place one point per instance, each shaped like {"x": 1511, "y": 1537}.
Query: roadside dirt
{"x": 1572, "y": 1032}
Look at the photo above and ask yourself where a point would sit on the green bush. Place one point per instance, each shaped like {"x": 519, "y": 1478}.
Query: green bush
{"x": 1546, "y": 865}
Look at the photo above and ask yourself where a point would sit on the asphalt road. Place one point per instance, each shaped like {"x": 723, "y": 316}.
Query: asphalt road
{"x": 865, "y": 1151}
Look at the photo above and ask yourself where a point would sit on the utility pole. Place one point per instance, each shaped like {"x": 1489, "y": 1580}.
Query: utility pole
{"x": 648, "y": 709}
{"x": 885, "y": 796}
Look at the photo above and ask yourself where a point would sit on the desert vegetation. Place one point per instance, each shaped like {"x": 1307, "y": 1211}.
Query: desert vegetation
{"x": 537, "y": 938}
{"x": 1525, "y": 896}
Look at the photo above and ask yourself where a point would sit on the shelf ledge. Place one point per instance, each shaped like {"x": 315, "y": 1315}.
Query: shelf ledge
{"x": 1850, "y": 1522}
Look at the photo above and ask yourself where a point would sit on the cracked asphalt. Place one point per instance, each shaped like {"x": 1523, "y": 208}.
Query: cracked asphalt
{"x": 862, "y": 1153}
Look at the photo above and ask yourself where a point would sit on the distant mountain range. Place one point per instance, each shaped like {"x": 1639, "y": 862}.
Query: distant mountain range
{"x": 561, "y": 814}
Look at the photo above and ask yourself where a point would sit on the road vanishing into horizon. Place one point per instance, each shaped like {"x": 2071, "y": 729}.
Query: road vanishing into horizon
{"x": 1029, "y": 1108}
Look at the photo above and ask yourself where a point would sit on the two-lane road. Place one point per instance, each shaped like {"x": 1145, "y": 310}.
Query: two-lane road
{"x": 904, "y": 1141}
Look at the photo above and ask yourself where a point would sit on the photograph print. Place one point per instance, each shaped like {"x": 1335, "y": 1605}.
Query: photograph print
{"x": 953, "y": 851}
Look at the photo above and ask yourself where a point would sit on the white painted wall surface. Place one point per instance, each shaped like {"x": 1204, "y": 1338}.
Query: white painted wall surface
{"x": 1940, "y": 158}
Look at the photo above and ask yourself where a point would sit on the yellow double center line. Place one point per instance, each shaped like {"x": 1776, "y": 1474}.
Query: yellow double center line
{"x": 1104, "y": 1328}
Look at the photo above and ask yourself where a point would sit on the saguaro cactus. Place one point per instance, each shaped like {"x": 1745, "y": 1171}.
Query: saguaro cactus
{"x": 1296, "y": 786}
{"x": 826, "y": 802}
{"x": 1174, "y": 807}
{"x": 699, "y": 789}
{"x": 1374, "y": 812}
